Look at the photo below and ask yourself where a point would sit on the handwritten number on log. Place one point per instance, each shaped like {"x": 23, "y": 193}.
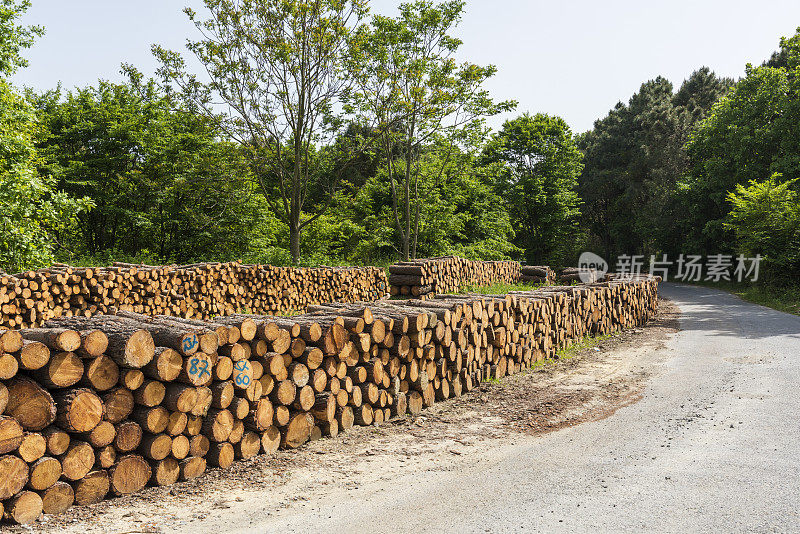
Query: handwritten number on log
{"x": 242, "y": 379}
{"x": 189, "y": 343}
{"x": 199, "y": 367}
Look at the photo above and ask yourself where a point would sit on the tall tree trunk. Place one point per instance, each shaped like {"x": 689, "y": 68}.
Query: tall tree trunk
{"x": 407, "y": 179}
{"x": 294, "y": 244}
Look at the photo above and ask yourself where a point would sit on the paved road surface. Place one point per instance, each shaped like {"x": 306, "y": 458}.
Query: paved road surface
{"x": 713, "y": 446}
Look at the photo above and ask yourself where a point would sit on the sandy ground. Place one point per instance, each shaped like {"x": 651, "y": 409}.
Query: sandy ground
{"x": 590, "y": 385}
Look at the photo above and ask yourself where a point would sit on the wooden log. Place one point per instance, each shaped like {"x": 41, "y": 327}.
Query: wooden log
{"x": 23, "y": 508}
{"x": 156, "y": 446}
{"x": 101, "y": 374}
{"x": 165, "y": 472}
{"x": 33, "y": 355}
{"x": 93, "y": 343}
{"x": 57, "y": 440}
{"x": 78, "y": 410}
{"x": 63, "y": 370}
{"x": 150, "y": 394}
{"x": 165, "y": 365}
{"x": 58, "y": 498}
{"x": 260, "y": 416}
{"x": 32, "y": 447}
{"x": 204, "y": 399}
{"x": 270, "y": 440}
{"x": 92, "y": 488}
{"x": 248, "y": 446}
{"x": 30, "y": 404}
{"x": 345, "y": 418}
{"x": 192, "y": 467}
{"x": 101, "y": 435}
{"x": 324, "y": 407}
{"x": 221, "y": 455}
{"x": 13, "y": 476}
{"x": 131, "y": 379}
{"x": 176, "y": 423}
{"x": 237, "y": 433}
{"x": 77, "y": 461}
{"x": 197, "y": 370}
{"x": 180, "y": 397}
{"x": 8, "y": 366}
{"x": 3, "y": 397}
{"x": 217, "y": 425}
{"x": 11, "y": 434}
{"x": 58, "y": 339}
{"x": 222, "y": 394}
{"x": 118, "y": 403}
{"x": 10, "y": 340}
{"x": 305, "y": 398}
{"x": 298, "y": 431}
{"x": 129, "y": 475}
{"x": 128, "y": 436}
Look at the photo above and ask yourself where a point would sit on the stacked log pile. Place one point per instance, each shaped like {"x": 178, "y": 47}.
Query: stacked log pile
{"x": 537, "y": 274}
{"x": 199, "y": 291}
{"x": 425, "y": 277}
{"x": 103, "y": 406}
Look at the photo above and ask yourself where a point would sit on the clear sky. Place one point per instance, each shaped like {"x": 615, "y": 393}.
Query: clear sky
{"x": 570, "y": 58}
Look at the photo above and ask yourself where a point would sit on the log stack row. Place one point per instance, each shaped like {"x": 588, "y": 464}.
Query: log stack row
{"x": 102, "y": 406}
{"x": 199, "y": 291}
{"x": 537, "y": 274}
{"x": 425, "y": 277}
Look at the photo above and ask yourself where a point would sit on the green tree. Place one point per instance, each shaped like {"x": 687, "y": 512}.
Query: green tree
{"x": 15, "y": 38}
{"x": 538, "y": 168}
{"x": 765, "y": 218}
{"x": 163, "y": 183}
{"x": 277, "y": 68}
{"x": 751, "y": 133}
{"x": 461, "y": 214}
{"x": 32, "y": 212}
{"x": 635, "y": 160}
{"x": 409, "y": 84}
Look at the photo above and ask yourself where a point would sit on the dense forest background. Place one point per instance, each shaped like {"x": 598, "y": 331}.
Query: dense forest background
{"x": 319, "y": 134}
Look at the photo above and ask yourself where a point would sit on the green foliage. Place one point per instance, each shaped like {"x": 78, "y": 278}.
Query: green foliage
{"x": 537, "y": 163}
{"x": 751, "y": 133}
{"x": 14, "y": 38}
{"x": 765, "y": 217}
{"x": 33, "y": 213}
{"x": 461, "y": 213}
{"x": 635, "y": 160}
{"x": 408, "y": 83}
{"x": 162, "y": 182}
{"x": 277, "y": 66}
{"x": 500, "y": 288}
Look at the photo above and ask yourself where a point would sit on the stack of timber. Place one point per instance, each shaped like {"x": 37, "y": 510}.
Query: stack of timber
{"x": 537, "y": 274}
{"x": 426, "y": 277}
{"x": 101, "y": 406}
{"x": 200, "y": 291}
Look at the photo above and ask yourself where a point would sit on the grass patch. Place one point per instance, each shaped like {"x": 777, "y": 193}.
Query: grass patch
{"x": 500, "y": 288}
{"x": 582, "y": 344}
{"x": 785, "y": 299}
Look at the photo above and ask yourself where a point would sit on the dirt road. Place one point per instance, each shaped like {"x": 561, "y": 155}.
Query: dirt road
{"x": 694, "y": 431}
